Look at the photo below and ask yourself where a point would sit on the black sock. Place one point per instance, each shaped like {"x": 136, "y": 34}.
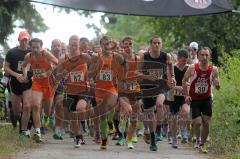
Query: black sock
{"x": 152, "y": 134}
{"x": 30, "y": 122}
{"x": 78, "y": 137}
{"x": 158, "y": 129}
{"x": 125, "y": 134}
{"x": 104, "y": 141}
{"x": 83, "y": 126}
{"x": 110, "y": 125}
{"x": 116, "y": 125}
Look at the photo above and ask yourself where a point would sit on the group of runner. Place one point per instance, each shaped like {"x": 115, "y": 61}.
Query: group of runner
{"x": 111, "y": 87}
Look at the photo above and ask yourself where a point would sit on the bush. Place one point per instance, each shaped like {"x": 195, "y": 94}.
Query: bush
{"x": 225, "y": 128}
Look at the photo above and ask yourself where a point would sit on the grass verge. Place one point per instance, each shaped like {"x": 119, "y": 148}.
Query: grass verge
{"x": 10, "y": 143}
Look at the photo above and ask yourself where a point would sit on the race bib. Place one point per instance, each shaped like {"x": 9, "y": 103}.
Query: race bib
{"x": 201, "y": 87}
{"x": 19, "y": 67}
{"x": 39, "y": 73}
{"x": 178, "y": 93}
{"x": 5, "y": 80}
{"x": 158, "y": 73}
{"x": 76, "y": 76}
{"x": 106, "y": 75}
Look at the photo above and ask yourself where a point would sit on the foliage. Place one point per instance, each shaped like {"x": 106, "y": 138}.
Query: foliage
{"x": 219, "y": 31}
{"x": 9, "y": 141}
{"x": 225, "y": 128}
{"x": 22, "y": 14}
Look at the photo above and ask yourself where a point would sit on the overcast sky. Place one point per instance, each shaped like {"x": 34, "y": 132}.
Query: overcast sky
{"x": 61, "y": 25}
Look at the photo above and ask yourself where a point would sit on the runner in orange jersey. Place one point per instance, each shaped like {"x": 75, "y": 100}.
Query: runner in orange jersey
{"x": 40, "y": 61}
{"x": 56, "y": 50}
{"x": 76, "y": 91}
{"x": 129, "y": 90}
{"x": 103, "y": 69}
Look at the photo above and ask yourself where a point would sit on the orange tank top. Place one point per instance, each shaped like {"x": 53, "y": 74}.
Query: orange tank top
{"x": 41, "y": 69}
{"x": 105, "y": 78}
{"x": 130, "y": 84}
{"x": 76, "y": 78}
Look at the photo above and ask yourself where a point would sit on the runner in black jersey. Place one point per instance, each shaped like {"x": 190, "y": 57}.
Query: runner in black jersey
{"x": 177, "y": 104}
{"x": 154, "y": 66}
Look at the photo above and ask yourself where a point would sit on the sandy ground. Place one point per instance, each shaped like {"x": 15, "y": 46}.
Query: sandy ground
{"x": 55, "y": 149}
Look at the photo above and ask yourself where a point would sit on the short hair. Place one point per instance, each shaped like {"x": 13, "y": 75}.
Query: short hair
{"x": 104, "y": 38}
{"x": 154, "y": 37}
{"x": 56, "y": 40}
{"x": 37, "y": 40}
{"x": 127, "y": 38}
{"x": 204, "y": 48}
{"x": 84, "y": 39}
{"x": 73, "y": 37}
{"x": 182, "y": 53}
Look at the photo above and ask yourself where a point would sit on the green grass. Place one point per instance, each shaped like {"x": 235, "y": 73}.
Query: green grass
{"x": 10, "y": 143}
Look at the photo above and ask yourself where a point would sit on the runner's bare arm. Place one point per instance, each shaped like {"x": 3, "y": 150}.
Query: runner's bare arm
{"x": 24, "y": 65}
{"x": 94, "y": 63}
{"x": 122, "y": 61}
{"x": 185, "y": 79}
{"x": 216, "y": 81}
{"x": 51, "y": 57}
{"x": 8, "y": 70}
{"x": 141, "y": 61}
{"x": 170, "y": 71}
{"x": 87, "y": 58}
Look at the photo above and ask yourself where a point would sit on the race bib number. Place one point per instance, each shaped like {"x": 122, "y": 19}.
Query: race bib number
{"x": 76, "y": 76}
{"x": 19, "y": 67}
{"x": 178, "y": 93}
{"x": 106, "y": 75}
{"x": 39, "y": 73}
{"x": 158, "y": 73}
{"x": 201, "y": 88}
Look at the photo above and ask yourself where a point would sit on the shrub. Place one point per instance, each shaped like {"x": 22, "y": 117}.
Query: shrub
{"x": 225, "y": 128}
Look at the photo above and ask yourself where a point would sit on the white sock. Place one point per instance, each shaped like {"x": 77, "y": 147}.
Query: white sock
{"x": 37, "y": 130}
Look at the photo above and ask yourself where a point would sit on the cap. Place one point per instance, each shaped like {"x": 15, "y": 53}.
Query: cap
{"x": 23, "y": 35}
{"x": 194, "y": 45}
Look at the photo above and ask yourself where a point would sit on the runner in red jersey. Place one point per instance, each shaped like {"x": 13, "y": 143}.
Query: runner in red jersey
{"x": 202, "y": 76}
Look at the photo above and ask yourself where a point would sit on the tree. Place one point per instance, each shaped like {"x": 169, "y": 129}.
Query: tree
{"x": 221, "y": 32}
{"x": 24, "y": 13}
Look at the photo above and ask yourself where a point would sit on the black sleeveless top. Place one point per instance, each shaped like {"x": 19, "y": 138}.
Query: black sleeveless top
{"x": 155, "y": 66}
{"x": 179, "y": 74}
{"x": 159, "y": 63}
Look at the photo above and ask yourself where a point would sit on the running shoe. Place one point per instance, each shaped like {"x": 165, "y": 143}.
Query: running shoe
{"x": 159, "y": 136}
{"x": 23, "y": 136}
{"x": 153, "y": 147}
{"x": 121, "y": 142}
{"x": 135, "y": 139}
{"x": 174, "y": 143}
{"x": 77, "y": 145}
{"x": 146, "y": 138}
{"x": 130, "y": 145}
{"x": 203, "y": 148}
{"x": 38, "y": 137}
{"x": 197, "y": 144}
{"x": 104, "y": 144}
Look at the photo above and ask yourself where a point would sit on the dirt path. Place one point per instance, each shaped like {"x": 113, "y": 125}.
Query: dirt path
{"x": 64, "y": 149}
